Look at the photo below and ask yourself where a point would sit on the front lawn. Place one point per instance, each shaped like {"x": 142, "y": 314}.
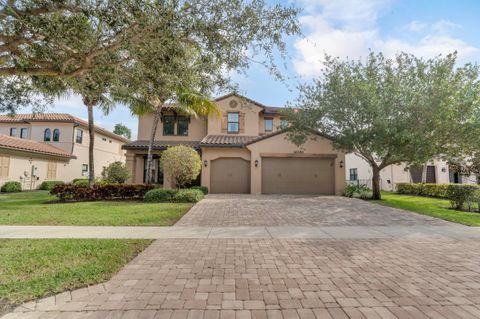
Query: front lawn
{"x": 36, "y": 268}
{"x": 434, "y": 207}
{"x": 35, "y": 208}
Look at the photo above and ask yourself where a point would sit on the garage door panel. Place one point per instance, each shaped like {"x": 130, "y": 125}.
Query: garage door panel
{"x": 230, "y": 175}
{"x": 298, "y": 176}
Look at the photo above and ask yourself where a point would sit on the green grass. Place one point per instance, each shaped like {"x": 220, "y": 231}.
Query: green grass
{"x": 39, "y": 267}
{"x": 434, "y": 207}
{"x": 36, "y": 208}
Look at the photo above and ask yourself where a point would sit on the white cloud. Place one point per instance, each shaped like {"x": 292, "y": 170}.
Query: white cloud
{"x": 416, "y": 26}
{"x": 350, "y": 28}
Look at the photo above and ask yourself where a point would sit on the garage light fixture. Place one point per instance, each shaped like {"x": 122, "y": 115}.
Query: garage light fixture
{"x": 256, "y": 163}
{"x": 341, "y": 164}
{"x": 205, "y": 163}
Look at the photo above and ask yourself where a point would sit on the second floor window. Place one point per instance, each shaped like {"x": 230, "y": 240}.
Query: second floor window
{"x": 169, "y": 125}
{"x": 268, "y": 125}
{"x": 13, "y": 131}
{"x": 182, "y": 126}
{"x": 232, "y": 122}
{"x": 47, "y": 135}
{"x": 56, "y": 135}
{"x": 353, "y": 174}
{"x": 79, "y": 136}
{"x": 24, "y": 132}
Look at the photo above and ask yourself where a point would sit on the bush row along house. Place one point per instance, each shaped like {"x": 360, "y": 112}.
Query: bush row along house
{"x": 52, "y": 146}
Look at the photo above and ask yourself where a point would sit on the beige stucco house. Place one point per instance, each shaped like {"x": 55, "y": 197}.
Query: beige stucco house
{"x": 436, "y": 171}
{"x": 64, "y": 133}
{"x": 245, "y": 150}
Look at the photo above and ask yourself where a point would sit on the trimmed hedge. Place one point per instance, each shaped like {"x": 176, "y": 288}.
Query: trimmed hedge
{"x": 79, "y": 179}
{"x": 189, "y": 195}
{"x": 48, "y": 185}
{"x": 11, "y": 187}
{"x": 204, "y": 189}
{"x": 172, "y": 195}
{"x": 81, "y": 183}
{"x": 422, "y": 189}
{"x": 100, "y": 191}
{"x": 160, "y": 195}
{"x": 459, "y": 195}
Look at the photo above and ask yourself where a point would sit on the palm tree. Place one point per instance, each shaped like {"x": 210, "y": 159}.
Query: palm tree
{"x": 185, "y": 102}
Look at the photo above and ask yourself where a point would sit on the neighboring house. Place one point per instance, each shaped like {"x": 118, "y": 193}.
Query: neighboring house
{"x": 244, "y": 150}
{"x": 436, "y": 172}
{"x": 62, "y": 132}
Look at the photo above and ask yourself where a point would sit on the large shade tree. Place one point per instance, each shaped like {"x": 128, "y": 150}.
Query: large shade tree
{"x": 70, "y": 40}
{"x": 388, "y": 111}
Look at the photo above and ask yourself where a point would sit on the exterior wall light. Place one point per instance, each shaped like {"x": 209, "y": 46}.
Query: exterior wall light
{"x": 444, "y": 169}
{"x": 341, "y": 164}
{"x": 205, "y": 163}
{"x": 256, "y": 163}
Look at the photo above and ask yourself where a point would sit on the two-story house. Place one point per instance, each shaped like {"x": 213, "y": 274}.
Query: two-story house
{"x": 52, "y": 146}
{"x": 245, "y": 150}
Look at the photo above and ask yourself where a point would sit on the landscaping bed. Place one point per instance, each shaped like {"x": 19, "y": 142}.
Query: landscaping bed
{"x": 37, "y": 208}
{"x": 37, "y": 268}
{"x": 435, "y": 207}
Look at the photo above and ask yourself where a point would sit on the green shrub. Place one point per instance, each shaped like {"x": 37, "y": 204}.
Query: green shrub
{"x": 79, "y": 179}
{"x": 48, "y": 185}
{"x": 81, "y": 183}
{"x": 422, "y": 189}
{"x": 182, "y": 164}
{"x": 100, "y": 191}
{"x": 357, "y": 191}
{"x": 189, "y": 196}
{"x": 11, "y": 187}
{"x": 461, "y": 194}
{"x": 116, "y": 172}
{"x": 160, "y": 195}
{"x": 204, "y": 189}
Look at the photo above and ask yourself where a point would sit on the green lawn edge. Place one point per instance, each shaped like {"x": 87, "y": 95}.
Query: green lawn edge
{"x": 38, "y": 208}
{"x": 434, "y": 207}
{"x": 37, "y": 268}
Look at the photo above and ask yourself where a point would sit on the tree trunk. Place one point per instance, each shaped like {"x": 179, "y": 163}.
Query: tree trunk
{"x": 376, "y": 182}
{"x": 91, "y": 134}
{"x": 149, "y": 177}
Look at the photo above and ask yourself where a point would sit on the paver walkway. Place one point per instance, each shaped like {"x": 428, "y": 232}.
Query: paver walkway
{"x": 412, "y": 271}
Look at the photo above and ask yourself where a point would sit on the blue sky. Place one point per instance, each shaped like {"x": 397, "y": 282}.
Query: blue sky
{"x": 345, "y": 28}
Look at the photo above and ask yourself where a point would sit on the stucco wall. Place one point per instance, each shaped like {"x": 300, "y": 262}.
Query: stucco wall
{"x": 280, "y": 145}
{"x": 197, "y": 129}
{"x": 20, "y": 168}
{"x": 393, "y": 174}
{"x": 251, "y": 111}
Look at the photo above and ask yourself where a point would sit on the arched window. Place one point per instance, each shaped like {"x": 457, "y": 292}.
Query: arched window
{"x": 47, "y": 135}
{"x": 56, "y": 135}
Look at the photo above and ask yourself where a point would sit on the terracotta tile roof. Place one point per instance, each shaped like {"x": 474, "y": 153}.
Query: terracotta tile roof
{"x": 56, "y": 117}
{"x": 158, "y": 145}
{"x": 14, "y": 143}
{"x": 226, "y": 140}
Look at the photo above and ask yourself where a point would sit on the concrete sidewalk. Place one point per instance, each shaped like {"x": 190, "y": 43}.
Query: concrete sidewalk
{"x": 276, "y": 232}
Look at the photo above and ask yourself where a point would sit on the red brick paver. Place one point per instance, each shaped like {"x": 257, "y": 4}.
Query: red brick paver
{"x": 265, "y": 278}
{"x": 226, "y": 210}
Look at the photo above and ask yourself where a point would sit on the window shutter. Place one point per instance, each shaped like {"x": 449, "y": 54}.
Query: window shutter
{"x": 224, "y": 123}
{"x": 52, "y": 170}
{"x": 241, "y": 124}
{"x": 4, "y": 165}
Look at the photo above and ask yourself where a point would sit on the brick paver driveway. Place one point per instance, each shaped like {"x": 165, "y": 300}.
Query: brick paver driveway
{"x": 289, "y": 210}
{"x": 286, "y": 278}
